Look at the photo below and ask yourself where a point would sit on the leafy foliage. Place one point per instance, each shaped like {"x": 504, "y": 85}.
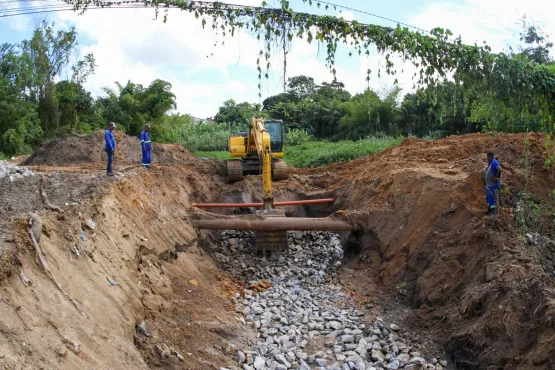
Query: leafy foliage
{"x": 238, "y": 114}
{"x": 133, "y": 106}
{"x": 296, "y": 137}
{"x": 37, "y": 101}
{"x": 322, "y": 153}
{"x": 199, "y": 136}
{"x": 518, "y": 82}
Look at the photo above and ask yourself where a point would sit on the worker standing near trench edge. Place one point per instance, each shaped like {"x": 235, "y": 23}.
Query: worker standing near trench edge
{"x": 493, "y": 174}
{"x": 110, "y": 147}
{"x": 146, "y": 145}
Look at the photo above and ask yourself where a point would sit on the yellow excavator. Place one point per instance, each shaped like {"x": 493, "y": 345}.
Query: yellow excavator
{"x": 260, "y": 150}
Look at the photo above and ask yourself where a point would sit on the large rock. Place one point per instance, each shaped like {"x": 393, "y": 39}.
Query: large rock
{"x": 259, "y": 363}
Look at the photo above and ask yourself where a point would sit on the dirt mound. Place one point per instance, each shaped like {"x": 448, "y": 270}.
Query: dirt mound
{"x": 475, "y": 284}
{"x": 75, "y": 149}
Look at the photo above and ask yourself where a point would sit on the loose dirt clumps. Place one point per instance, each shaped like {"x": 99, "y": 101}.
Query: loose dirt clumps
{"x": 476, "y": 291}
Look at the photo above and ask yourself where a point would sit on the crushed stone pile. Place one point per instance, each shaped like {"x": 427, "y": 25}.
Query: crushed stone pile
{"x": 13, "y": 172}
{"x": 303, "y": 318}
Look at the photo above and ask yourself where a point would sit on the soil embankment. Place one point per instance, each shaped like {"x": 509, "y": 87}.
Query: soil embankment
{"x": 457, "y": 280}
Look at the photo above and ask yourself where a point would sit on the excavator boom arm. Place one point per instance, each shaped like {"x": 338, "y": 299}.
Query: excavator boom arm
{"x": 262, "y": 143}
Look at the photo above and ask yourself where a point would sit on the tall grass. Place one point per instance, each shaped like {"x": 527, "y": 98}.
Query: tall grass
{"x": 195, "y": 136}
{"x": 221, "y": 155}
{"x": 323, "y": 153}
{"x": 196, "y": 139}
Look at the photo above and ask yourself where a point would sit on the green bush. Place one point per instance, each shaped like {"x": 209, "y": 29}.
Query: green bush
{"x": 324, "y": 153}
{"x": 195, "y": 136}
{"x": 296, "y": 137}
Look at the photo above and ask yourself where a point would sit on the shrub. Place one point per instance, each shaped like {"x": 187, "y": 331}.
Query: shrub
{"x": 297, "y": 137}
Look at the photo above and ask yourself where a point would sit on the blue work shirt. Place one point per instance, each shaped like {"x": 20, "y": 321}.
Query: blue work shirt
{"x": 110, "y": 141}
{"x": 493, "y": 171}
{"x": 146, "y": 144}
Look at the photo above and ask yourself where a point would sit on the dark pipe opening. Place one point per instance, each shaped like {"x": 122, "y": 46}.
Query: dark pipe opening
{"x": 363, "y": 243}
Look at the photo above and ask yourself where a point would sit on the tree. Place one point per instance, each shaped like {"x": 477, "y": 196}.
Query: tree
{"x": 497, "y": 108}
{"x": 75, "y": 106}
{"x": 269, "y": 103}
{"x": 19, "y": 126}
{"x": 537, "y": 44}
{"x": 238, "y": 114}
{"x": 367, "y": 114}
{"x": 300, "y": 87}
{"x": 133, "y": 106}
{"x": 331, "y": 91}
{"x": 44, "y": 57}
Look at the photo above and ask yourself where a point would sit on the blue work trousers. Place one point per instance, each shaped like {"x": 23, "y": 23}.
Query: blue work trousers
{"x": 146, "y": 158}
{"x": 110, "y": 160}
{"x": 491, "y": 195}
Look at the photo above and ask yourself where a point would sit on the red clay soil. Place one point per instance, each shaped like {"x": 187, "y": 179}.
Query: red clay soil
{"x": 463, "y": 282}
{"x": 473, "y": 282}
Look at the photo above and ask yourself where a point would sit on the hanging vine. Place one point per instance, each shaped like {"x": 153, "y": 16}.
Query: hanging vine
{"x": 436, "y": 55}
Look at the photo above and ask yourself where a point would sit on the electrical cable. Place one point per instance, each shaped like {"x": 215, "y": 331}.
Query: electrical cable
{"x": 66, "y": 7}
{"x": 49, "y": 7}
{"x": 371, "y": 14}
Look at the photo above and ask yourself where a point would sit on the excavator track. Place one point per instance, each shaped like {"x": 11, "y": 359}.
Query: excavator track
{"x": 234, "y": 170}
{"x": 279, "y": 170}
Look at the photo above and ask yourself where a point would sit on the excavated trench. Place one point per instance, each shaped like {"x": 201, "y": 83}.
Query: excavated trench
{"x": 427, "y": 279}
{"x": 304, "y": 318}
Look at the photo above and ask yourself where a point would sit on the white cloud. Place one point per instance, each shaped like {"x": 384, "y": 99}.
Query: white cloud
{"x": 495, "y": 21}
{"x": 18, "y": 23}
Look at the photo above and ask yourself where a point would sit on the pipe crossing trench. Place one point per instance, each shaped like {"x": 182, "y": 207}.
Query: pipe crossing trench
{"x": 302, "y": 315}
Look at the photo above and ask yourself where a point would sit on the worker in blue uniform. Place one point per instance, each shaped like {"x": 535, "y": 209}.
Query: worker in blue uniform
{"x": 492, "y": 176}
{"x": 110, "y": 147}
{"x": 146, "y": 144}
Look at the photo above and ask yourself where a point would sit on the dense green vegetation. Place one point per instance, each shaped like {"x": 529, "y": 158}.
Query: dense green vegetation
{"x": 328, "y": 111}
{"x": 39, "y": 101}
{"x": 322, "y": 153}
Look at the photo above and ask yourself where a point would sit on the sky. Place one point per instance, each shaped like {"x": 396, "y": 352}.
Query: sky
{"x": 129, "y": 44}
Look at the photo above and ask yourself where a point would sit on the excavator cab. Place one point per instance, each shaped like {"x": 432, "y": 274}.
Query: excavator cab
{"x": 275, "y": 129}
{"x": 245, "y": 149}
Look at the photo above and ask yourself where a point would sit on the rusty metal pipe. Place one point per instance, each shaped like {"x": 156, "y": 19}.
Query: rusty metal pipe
{"x": 259, "y": 205}
{"x": 277, "y": 224}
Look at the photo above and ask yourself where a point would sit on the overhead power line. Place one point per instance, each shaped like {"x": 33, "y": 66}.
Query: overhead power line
{"x": 372, "y": 14}
{"x": 48, "y": 7}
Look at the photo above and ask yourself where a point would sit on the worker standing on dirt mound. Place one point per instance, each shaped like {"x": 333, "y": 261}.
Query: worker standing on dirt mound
{"x": 110, "y": 147}
{"x": 146, "y": 144}
{"x": 493, "y": 174}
